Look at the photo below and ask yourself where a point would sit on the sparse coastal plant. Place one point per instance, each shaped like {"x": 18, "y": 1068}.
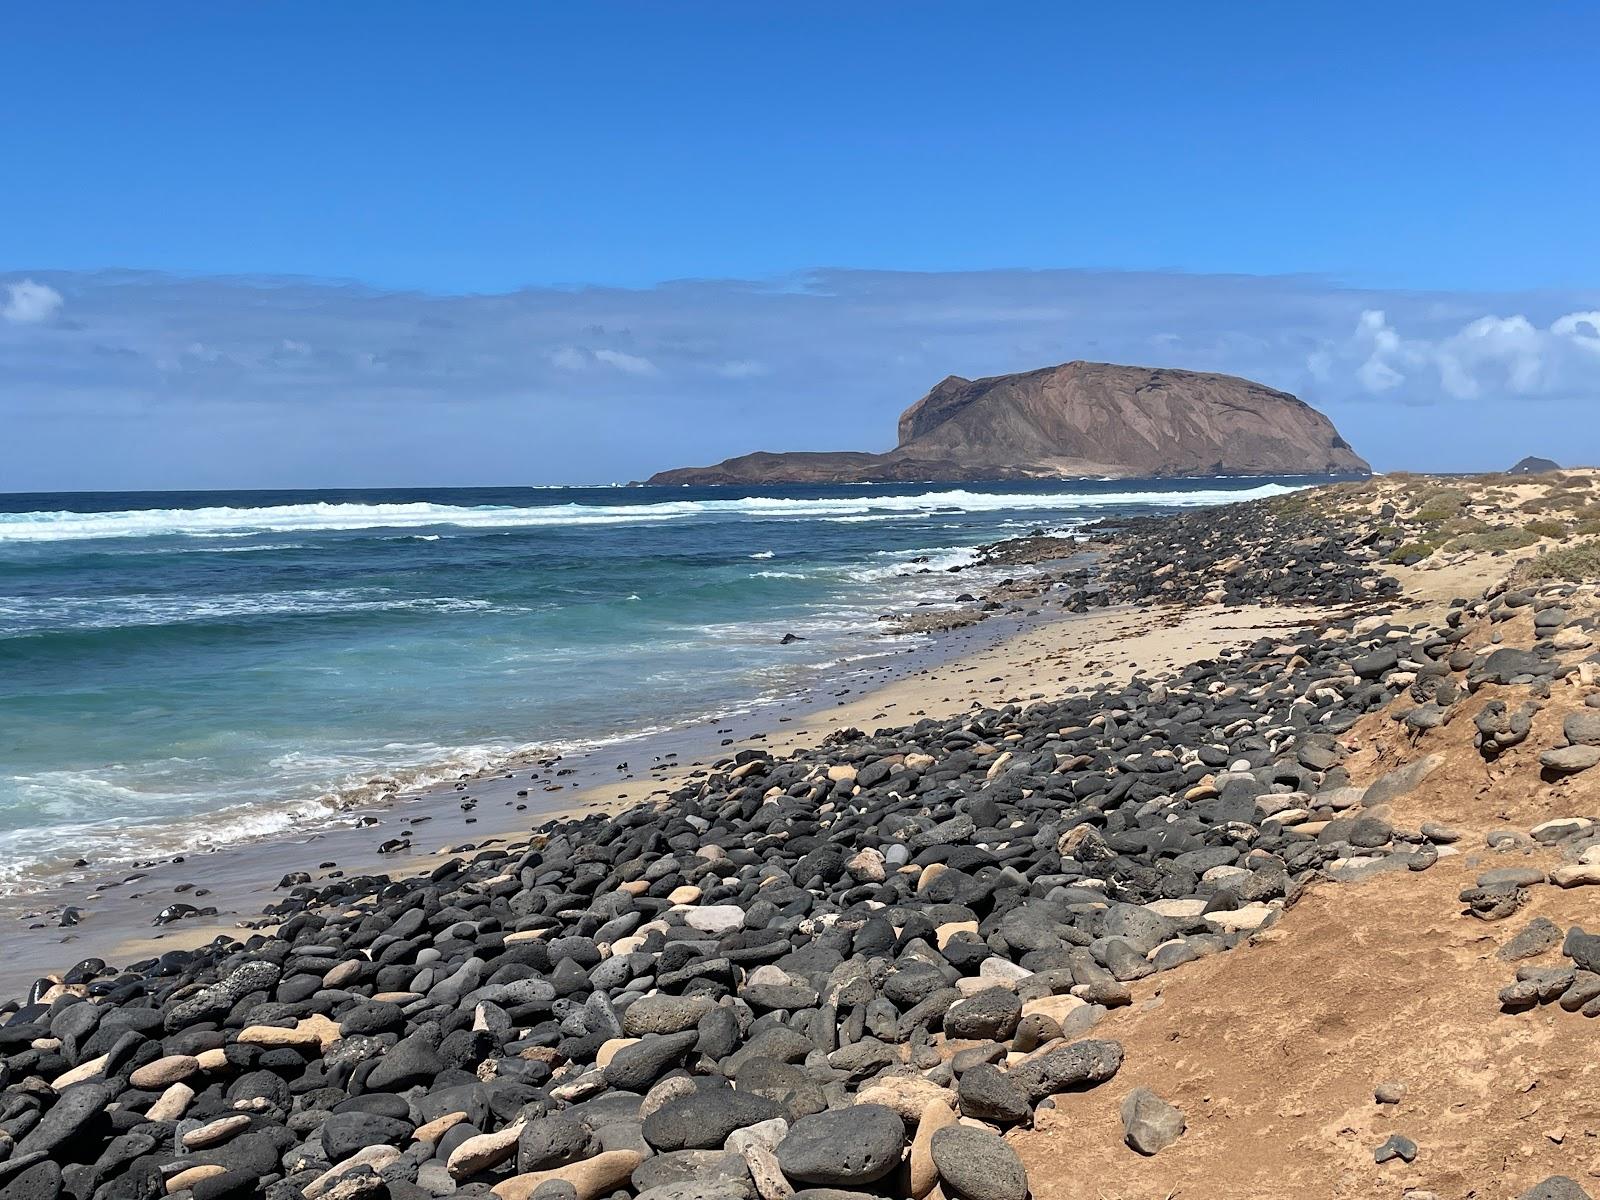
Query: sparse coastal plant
{"x": 1495, "y": 541}
{"x": 1547, "y": 528}
{"x": 1411, "y": 552}
{"x": 1570, "y": 564}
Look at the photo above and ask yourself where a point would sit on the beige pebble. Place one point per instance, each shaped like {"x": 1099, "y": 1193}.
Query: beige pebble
{"x": 1057, "y": 1008}
{"x": 866, "y": 866}
{"x": 1576, "y": 875}
{"x": 593, "y": 1177}
{"x": 317, "y": 1030}
{"x": 171, "y": 1104}
{"x": 1177, "y": 908}
{"x": 376, "y": 1157}
{"x": 765, "y": 1170}
{"x": 343, "y": 973}
{"x": 214, "y": 1132}
{"x": 164, "y": 1071}
{"x": 438, "y": 1127}
{"x": 908, "y": 1095}
{"x": 190, "y": 1176}
{"x": 85, "y": 1070}
{"x": 999, "y": 970}
{"x": 609, "y": 1048}
{"x": 949, "y": 929}
{"x": 484, "y": 1151}
{"x": 923, "y": 1174}
{"x": 1248, "y": 916}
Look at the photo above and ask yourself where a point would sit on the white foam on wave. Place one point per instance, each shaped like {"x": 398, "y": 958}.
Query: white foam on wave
{"x": 287, "y": 518}
{"x": 21, "y": 616}
{"x": 310, "y": 790}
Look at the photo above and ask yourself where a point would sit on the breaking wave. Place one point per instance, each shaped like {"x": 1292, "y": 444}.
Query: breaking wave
{"x": 290, "y": 518}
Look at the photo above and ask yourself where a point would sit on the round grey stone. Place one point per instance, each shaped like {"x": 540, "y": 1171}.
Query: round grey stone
{"x": 974, "y": 1164}
{"x": 858, "y": 1144}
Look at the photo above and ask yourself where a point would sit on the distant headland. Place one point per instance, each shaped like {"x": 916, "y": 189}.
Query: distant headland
{"x": 1074, "y": 420}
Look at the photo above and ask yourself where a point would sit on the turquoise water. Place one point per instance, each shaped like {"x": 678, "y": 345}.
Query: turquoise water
{"x": 190, "y": 669}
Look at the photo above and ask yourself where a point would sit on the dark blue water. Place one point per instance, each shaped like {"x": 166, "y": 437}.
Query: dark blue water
{"x": 185, "y": 669}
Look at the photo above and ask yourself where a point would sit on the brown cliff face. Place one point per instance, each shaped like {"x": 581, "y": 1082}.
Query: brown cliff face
{"x": 1074, "y": 420}
{"x": 1140, "y": 420}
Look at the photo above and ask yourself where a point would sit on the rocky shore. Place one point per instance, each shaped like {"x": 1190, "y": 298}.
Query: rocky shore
{"x": 885, "y": 965}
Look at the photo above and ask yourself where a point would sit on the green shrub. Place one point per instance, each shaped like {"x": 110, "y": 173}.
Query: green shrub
{"x": 1495, "y": 540}
{"x": 1458, "y": 526}
{"x": 1571, "y": 564}
{"x": 1410, "y": 550}
{"x": 1547, "y": 528}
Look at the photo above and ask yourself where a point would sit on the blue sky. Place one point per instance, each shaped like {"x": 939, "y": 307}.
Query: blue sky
{"x": 1431, "y": 163}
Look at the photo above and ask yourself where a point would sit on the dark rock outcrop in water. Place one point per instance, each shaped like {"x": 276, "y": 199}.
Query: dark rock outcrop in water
{"x": 1078, "y": 419}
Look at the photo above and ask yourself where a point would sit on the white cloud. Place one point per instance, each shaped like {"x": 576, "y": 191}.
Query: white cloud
{"x": 633, "y": 364}
{"x": 28, "y": 303}
{"x": 1583, "y": 328}
{"x": 1488, "y": 356}
{"x": 824, "y": 360}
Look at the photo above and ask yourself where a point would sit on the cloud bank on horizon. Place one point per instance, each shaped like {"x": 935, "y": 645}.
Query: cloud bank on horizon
{"x": 126, "y": 379}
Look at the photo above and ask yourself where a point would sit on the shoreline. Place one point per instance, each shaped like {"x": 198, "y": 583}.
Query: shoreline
{"x": 1190, "y": 841}
{"x": 991, "y": 662}
{"x": 49, "y": 850}
{"x": 119, "y": 902}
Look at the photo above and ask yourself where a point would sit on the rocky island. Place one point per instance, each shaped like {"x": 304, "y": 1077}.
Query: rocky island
{"x": 1074, "y": 420}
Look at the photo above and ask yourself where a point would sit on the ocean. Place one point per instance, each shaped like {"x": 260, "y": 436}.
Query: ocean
{"x": 186, "y": 670}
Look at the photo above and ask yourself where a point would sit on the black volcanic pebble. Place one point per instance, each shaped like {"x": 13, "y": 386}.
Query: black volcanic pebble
{"x": 855, "y": 1145}
{"x": 976, "y": 1165}
{"x": 990, "y": 1094}
{"x": 705, "y": 1117}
